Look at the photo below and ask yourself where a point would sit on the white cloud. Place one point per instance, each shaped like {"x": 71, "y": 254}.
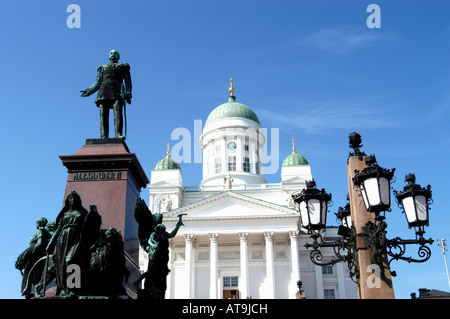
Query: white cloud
{"x": 344, "y": 39}
{"x": 319, "y": 117}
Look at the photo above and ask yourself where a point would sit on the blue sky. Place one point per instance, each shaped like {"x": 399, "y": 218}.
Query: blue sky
{"x": 311, "y": 69}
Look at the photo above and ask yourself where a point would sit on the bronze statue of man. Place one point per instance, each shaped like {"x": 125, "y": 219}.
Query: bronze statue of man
{"x": 112, "y": 94}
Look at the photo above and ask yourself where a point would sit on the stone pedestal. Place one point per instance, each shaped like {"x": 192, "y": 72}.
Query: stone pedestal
{"x": 104, "y": 173}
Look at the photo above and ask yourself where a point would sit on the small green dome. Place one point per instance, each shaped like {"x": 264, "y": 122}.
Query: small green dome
{"x": 295, "y": 159}
{"x": 167, "y": 163}
{"x": 232, "y": 109}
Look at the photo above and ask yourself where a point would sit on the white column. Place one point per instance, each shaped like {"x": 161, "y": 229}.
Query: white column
{"x": 239, "y": 152}
{"x": 244, "y": 282}
{"x": 213, "y": 264}
{"x": 295, "y": 263}
{"x": 252, "y": 150}
{"x": 188, "y": 266}
{"x": 319, "y": 282}
{"x": 270, "y": 266}
{"x": 169, "y": 276}
{"x": 341, "y": 281}
{"x": 224, "y": 155}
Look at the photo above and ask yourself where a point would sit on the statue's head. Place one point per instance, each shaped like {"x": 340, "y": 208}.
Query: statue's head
{"x": 111, "y": 232}
{"x": 157, "y": 218}
{"x": 73, "y": 199}
{"x": 41, "y": 222}
{"x": 160, "y": 228}
{"x": 114, "y": 56}
{"x": 113, "y": 235}
{"x": 51, "y": 226}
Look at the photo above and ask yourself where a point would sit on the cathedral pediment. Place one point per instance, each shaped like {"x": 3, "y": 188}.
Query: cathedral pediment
{"x": 231, "y": 205}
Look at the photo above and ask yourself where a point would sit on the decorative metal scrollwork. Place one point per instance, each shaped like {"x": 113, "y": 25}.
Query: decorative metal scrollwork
{"x": 396, "y": 248}
{"x": 343, "y": 250}
{"x": 317, "y": 257}
{"x": 375, "y": 238}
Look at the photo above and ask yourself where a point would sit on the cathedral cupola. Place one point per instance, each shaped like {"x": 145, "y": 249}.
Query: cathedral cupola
{"x": 167, "y": 162}
{"x": 294, "y": 158}
{"x": 295, "y": 166}
{"x": 232, "y": 143}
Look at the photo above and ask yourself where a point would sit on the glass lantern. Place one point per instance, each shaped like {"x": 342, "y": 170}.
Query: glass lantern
{"x": 313, "y": 206}
{"x": 415, "y": 201}
{"x": 374, "y": 183}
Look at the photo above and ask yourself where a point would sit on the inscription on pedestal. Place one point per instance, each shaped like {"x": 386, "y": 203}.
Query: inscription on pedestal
{"x": 97, "y": 176}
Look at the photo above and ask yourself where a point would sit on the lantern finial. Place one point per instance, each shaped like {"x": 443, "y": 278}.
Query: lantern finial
{"x": 355, "y": 141}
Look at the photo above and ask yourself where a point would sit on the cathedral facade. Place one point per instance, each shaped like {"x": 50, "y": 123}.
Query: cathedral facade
{"x": 242, "y": 237}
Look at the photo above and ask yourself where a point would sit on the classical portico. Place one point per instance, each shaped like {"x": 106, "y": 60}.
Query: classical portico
{"x": 246, "y": 243}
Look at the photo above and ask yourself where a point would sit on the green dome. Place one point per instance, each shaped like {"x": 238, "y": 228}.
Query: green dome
{"x": 295, "y": 159}
{"x": 167, "y": 163}
{"x": 232, "y": 109}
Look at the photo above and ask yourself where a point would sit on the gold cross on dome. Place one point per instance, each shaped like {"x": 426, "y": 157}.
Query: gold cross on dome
{"x": 231, "y": 89}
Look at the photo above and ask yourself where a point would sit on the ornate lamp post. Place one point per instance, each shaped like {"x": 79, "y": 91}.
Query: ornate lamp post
{"x": 415, "y": 202}
{"x": 364, "y": 245}
{"x": 443, "y": 244}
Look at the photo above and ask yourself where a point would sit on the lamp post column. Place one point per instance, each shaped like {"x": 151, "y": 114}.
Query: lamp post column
{"x": 374, "y": 282}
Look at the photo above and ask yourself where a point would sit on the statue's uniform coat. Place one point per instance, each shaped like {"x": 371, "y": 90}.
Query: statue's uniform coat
{"x": 111, "y": 76}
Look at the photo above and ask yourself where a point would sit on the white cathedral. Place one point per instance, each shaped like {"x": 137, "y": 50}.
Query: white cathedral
{"x": 242, "y": 237}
